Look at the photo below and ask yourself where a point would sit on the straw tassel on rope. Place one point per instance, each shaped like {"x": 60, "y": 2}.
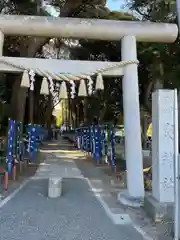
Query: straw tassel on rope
{"x": 90, "y": 85}
{"x": 99, "y": 82}
{"x": 32, "y": 80}
{"x": 25, "y": 80}
{"x": 73, "y": 89}
{"x": 63, "y": 91}
{"x": 82, "y": 89}
{"x": 44, "y": 87}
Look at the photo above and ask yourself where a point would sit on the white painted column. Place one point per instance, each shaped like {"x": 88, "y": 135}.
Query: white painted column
{"x": 163, "y": 145}
{"x": 1, "y": 43}
{"x": 133, "y": 146}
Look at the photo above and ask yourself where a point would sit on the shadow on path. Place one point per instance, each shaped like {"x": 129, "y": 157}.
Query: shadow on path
{"x": 77, "y": 215}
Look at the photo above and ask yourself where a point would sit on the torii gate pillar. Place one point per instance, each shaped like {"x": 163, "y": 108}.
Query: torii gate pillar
{"x": 133, "y": 146}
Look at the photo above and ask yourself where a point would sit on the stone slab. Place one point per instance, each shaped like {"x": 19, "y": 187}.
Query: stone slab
{"x": 155, "y": 210}
{"x": 124, "y": 198}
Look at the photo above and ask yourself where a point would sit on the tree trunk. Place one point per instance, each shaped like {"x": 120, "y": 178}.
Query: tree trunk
{"x": 18, "y": 100}
{"x": 49, "y": 112}
{"x": 85, "y": 104}
{"x": 102, "y": 112}
{"x": 148, "y": 91}
{"x": 37, "y": 96}
{"x": 77, "y": 114}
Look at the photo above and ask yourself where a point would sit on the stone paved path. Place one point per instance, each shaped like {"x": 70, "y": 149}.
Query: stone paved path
{"x": 84, "y": 212}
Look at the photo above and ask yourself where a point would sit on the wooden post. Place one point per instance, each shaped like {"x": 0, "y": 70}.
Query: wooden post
{"x": 6, "y": 180}
{"x": 14, "y": 172}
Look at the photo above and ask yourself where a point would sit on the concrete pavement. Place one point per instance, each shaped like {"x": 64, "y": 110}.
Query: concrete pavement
{"x": 87, "y": 210}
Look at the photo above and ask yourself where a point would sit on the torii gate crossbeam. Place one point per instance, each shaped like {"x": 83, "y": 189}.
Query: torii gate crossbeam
{"x": 78, "y": 28}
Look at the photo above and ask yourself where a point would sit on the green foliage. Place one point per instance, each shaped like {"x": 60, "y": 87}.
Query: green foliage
{"x": 158, "y": 62}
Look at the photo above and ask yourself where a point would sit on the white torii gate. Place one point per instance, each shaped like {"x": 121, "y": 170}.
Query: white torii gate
{"x": 128, "y": 32}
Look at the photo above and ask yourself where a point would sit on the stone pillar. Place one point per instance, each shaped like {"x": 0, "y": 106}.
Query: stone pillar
{"x": 163, "y": 146}
{"x": 1, "y": 43}
{"x": 54, "y": 187}
{"x": 158, "y": 205}
{"x": 133, "y": 145}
